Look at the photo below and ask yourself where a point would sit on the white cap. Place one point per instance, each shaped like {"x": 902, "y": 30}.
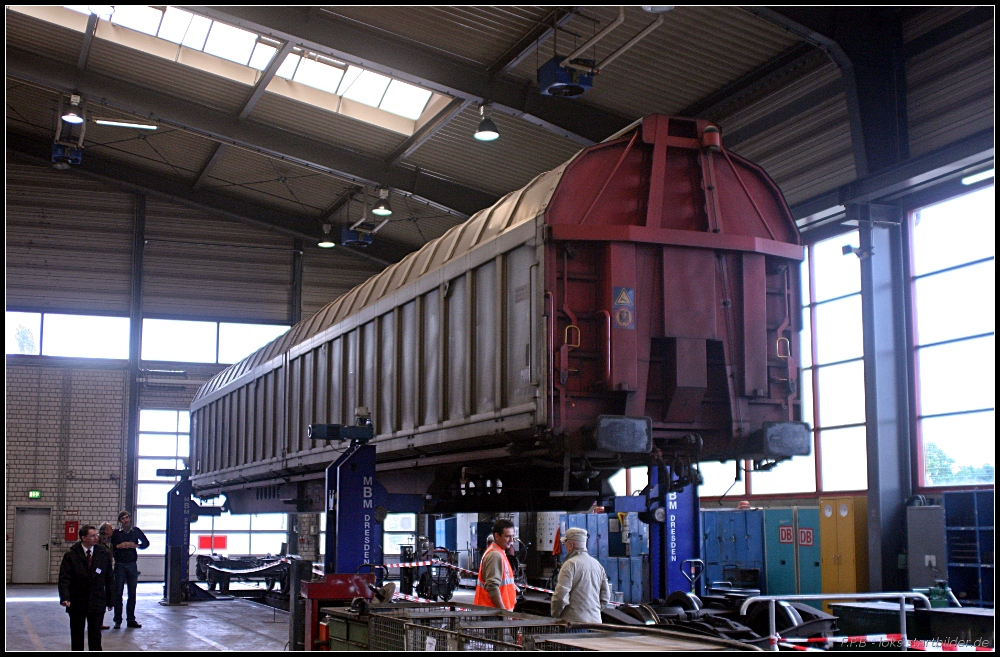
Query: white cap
{"x": 577, "y": 535}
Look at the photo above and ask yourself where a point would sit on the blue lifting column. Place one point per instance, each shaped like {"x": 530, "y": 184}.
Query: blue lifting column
{"x": 181, "y": 512}
{"x": 675, "y": 539}
{"x": 353, "y": 537}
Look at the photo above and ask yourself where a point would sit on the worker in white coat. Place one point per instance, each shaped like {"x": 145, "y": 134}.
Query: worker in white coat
{"x": 582, "y": 590}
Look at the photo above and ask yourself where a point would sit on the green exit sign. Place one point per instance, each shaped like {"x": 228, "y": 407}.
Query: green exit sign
{"x": 34, "y": 494}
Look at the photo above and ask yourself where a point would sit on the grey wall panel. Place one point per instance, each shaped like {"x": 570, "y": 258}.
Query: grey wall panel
{"x": 68, "y": 242}
{"x": 431, "y": 355}
{"x": 456, "y": 368}
{"x": 386, "y": 375}
{"x": 329, "y": 273}
{"x": 369, "y": 368}
{"x": 408, "y": 357}
{"x": 335, "y": 391}
{"x": 485, "y": 344}
{"x": 196, "y": 264}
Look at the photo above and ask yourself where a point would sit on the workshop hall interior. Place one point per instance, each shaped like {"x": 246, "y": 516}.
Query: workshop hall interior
{"x": 330, "y": 299}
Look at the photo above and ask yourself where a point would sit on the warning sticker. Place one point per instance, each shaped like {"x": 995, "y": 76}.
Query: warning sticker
{"x": 623, "y": 308}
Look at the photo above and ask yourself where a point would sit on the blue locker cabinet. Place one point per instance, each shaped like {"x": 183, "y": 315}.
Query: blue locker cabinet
{"x": 733, "y": 544}
{"x": 446, "y": 533}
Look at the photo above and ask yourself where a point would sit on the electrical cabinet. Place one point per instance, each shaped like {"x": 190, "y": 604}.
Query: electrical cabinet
{"x": 843, "y": 525}
{"x": 969, "y": 533}
{"x": 925, "y": 545}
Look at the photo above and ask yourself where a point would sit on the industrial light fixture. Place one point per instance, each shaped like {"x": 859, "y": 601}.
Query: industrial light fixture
{"x": 103, "y": 11}
{"x": 125, "y": 124}
{"x": 978, "y": 177}
{"x": 326, "y": 242}
{"x": 74, "y": 114}
{"x": 382, "y": 208}
{"x": 487, "y": 130}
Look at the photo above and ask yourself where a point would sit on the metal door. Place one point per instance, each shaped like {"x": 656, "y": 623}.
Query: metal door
{"x": 780, "y": 551}
{"x": 32, "y": 533}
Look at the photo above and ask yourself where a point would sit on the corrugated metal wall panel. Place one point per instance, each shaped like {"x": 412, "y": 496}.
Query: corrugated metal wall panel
{"x": 950, "y": 90}
{"x": 198, "y": 265}
{"x": 69, "y": 242}
{"x": 929, "y": 19}
{"x": 318, "y": 123}
{"x": 498, "y": 166}
{"x": 329, "y": 273}
{"x": 477, "y": 34}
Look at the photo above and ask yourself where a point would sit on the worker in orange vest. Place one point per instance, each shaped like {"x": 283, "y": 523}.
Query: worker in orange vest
{"x": 495, "y": 585}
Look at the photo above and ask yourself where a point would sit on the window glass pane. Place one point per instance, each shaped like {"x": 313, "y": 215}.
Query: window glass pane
{"x": 262, "y": 543}
{"x": 22, "y": 333}
{"x": 796, "y": 475}
{"x": 148, "y": 468}
{"x": 176, "y": 340}
{"x": 617, "y": 483}
{"x": 959, "y": 449}
{"x": 391, "y": 543}
{"x": 956, "y": 303}
{"x": 805, "y": 340}
{"x": 184, "y": 446}
{"x": 230, "y": 43}
{"x": 957, "y": 376}
{"x": 262, "y": 54}
{"x": 806, "y": 397}
{"x": 85, "y": 336}
{"x": 400, "y": 522}
{"x": 157, "y": 544}
{"x": 955, "y": 231}
{"x": 268, "y": 521}
{"x": 197, "y": 31}
{"x": 350, "y": 77}
{"x": 153, "y": 494}
{"x": 233, "y": 522}
{"x": 836, "y": 274}
{"x": 804, "y": 278}
{"x": 319, "y": 75}
{"x": 842, "y": 394}
{"x": 640, "y": 478}
{"x": 287, "y": 68}
{"x": 238, "y": 544}
{"x": 184, "y": 421}
{"x": 237, "y": 341}
{"x": 154, "y": 420}
{"x": 137, "y": 17}
{"x": 175, "y": 24}
{"x": 719, "y": 478}
{"x": 843, "y": 459}
{"x": 839, "y": 334}
{"x": 156, "y": 444}
{"x": 151, "y": 519}
{"x": 203, "y": 524}
{"x": 368, "y": 88}
{"x": 405, "y": 100}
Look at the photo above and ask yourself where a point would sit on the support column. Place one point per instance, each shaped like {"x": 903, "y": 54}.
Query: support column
{"x": 883, "y": 287}
{"x": 135, "y": 350}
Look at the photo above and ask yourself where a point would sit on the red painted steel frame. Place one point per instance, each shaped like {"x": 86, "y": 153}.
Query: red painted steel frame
{"x": 675, "y": 299}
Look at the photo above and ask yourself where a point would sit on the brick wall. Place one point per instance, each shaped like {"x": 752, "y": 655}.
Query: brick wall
{"x": 66, "y": 429}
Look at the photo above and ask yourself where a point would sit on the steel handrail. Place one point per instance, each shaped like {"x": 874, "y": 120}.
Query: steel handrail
{"x": 771, "y": 599}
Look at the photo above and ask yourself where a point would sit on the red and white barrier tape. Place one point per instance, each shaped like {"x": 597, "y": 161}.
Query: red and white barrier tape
{"x": 862, "y": 638}
{"x": 415, "y": 564}
{"x": 411, "y": 598}
{"x": 792, "y": 646}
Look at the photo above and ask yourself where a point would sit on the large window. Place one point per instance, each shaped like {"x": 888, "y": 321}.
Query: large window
{"x": 257, "y": 534}
{"x": 204, "y": 342}
{"x": 79, "y": 336}
{"x": 164, "y": 441}
{"x": 952, "y": 269}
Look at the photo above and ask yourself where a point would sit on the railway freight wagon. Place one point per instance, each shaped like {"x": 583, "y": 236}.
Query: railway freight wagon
{"x": 636, "y": 305}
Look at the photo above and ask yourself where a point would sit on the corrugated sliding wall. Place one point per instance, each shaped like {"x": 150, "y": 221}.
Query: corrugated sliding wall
{"x": 199, "y": 265}
{"x": 326, "y": 274}
{"x": 950, "y": 90}
{"x": 69, "y": 242}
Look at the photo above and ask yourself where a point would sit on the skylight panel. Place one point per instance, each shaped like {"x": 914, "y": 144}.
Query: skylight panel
{"x": 137, "y": 17}
{"x": 405, "y": 100}
{"x": 230, "y": 43}
{"x": 368, "y": 88}
{"x": 319, "y": 75}
{"x": 197, "y": 32}
{"x": 287, "y": 68}
{"x": 353, "y": 73}
{"x": 174, "y": 25}
{"x": 262, "y": 55}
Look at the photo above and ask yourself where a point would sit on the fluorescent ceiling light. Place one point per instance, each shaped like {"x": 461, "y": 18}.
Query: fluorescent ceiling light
{"x": 125, "y": 124}
{"x": 978, "y": 177}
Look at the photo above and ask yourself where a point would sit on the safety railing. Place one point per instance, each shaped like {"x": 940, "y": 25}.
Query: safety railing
{"x": 772, "y": 599}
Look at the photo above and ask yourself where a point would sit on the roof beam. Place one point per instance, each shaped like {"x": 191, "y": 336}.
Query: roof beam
{"x": 265, "y": 79}
{"x": 224, "y": 127}
{"x": 126, "y": 176}
{"x": 384, "y": 54}
{"x": 88, "y": 39}
{"x": 531, "y": 41}
{"x": 955, "y": 27}
{"x": 426, "y": 131}
{"x": 206, "y": 170}
{"x": 784, "y": 113}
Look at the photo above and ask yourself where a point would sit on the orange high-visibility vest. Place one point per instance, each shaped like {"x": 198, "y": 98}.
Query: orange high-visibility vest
{"x": 508, "y": 592}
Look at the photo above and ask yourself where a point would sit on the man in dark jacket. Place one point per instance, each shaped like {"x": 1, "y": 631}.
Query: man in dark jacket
{"x": 86, "y": 588}
{"x": 125, "y": 540}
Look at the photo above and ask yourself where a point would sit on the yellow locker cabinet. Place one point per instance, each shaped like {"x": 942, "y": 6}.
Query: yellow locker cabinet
{"x": 843, "y": 538}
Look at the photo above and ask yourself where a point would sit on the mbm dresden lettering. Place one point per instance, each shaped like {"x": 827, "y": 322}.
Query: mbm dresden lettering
{"x": 672, "y": 505}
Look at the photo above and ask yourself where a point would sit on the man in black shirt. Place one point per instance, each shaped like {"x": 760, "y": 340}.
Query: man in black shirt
{"x": 86, "y": 587}
{"x": 125, "y": 540}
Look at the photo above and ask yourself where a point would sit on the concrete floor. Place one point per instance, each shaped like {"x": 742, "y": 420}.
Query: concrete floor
{"x": 36, "y": 621}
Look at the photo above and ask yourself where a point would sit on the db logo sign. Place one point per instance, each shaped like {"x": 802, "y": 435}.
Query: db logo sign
{"x": 786, "y": 534}
{"x": 806, "y": 537}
